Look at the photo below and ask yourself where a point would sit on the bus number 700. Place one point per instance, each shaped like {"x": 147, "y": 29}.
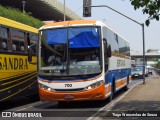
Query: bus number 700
{"x": 68, "y": 85}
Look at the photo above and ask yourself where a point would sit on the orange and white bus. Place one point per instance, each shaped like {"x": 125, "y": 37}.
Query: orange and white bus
{"x": 81, "y": 60}
{"x": 17, "y": 76}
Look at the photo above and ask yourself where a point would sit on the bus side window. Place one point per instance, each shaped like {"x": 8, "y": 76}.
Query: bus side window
{"x": 4, "y": 39}
{"x": 33, "y": 38}
{"x": 113, "y": 41}
{"x": 105, "y": 38}
{"x": 18, "y": 41}
{"x": 13, "y": 47}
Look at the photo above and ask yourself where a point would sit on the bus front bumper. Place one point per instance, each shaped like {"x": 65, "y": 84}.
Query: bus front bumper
{"x": 93, "y": 94}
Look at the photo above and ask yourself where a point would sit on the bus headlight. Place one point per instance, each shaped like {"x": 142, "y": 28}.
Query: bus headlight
{"x": 44, "y": 87}
{"x": 94, "y": 85}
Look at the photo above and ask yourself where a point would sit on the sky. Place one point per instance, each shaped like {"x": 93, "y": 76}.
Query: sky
{"x": 131, "y": 31}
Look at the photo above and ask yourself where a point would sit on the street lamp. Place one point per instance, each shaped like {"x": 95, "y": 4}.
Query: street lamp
{"x": 64, "y": 10}
{"x": 143, "y": 36}
{"x": 23, "y": 3}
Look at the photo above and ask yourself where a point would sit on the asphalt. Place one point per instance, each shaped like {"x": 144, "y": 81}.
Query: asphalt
{"x": 141, "y": 102}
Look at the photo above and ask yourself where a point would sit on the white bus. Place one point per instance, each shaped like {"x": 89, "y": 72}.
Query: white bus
{"x": 81, "y": 60}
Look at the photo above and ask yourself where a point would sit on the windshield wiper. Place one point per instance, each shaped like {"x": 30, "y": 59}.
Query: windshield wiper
{"x": 80, "y": 71}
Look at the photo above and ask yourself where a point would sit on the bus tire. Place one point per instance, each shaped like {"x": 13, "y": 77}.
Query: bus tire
{"x": 110, "y": 97}
{"x": 126, "y": 87}
{"x": 112, "y": 92}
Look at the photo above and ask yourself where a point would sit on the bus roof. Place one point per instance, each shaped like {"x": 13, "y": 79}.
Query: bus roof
{"x": 78, "y": 23}
{"x": 69, "y": 23}
{"x": 14, "y": 24}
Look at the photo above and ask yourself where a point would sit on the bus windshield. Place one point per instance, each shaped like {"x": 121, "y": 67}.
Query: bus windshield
{"x": 70, "y": 51}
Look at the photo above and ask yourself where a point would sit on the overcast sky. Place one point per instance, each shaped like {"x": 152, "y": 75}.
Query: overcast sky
{"x": 131, "y": 31}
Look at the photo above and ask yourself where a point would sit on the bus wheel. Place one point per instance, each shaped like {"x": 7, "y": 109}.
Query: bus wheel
{"x": 126, "y": 87}
{"x": 110, "y": 98}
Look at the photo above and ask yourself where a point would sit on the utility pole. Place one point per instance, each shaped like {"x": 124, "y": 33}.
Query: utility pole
{"x": 23, "y": 3}
{"x": 64, "y": 10}
{"x": 141, "y": 24}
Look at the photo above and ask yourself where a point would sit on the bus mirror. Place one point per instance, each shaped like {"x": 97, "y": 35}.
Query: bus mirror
{"x": 107, "y": 48}
{"x": 109, "y": 52}
{"x": 30, "y": 53}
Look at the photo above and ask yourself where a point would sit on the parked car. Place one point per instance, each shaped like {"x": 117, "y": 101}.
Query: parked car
{"x": 149, "y": 69}
{"x": 137, "y": 72}
{"x": 146, "y": 70}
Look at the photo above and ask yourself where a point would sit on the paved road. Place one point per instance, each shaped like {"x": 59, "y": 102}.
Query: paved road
{"x": 80, "y": 110}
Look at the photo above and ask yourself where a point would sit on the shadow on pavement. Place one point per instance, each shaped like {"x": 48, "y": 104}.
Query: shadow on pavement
{"x": 17, "y": 102}
{"x": 137, "y": 105}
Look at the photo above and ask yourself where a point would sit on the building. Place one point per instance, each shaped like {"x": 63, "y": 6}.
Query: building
{"x": 151, "y": 56}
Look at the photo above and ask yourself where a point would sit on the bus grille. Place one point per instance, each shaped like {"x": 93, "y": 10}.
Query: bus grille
{"x": 69, "y": 90}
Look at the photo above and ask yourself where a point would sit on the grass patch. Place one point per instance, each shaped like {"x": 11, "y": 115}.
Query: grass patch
{"x": 17, "y": 15}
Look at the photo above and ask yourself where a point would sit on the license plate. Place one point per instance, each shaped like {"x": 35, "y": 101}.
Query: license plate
{"x": 69, "y": 96}
{"x": 135, "y": 75}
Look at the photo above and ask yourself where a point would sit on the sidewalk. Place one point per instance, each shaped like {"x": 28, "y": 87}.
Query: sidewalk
{"x": 143, "y": 97}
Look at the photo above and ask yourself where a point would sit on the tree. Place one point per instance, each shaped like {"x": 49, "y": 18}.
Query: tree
{"x": 157, "y": 65}
{"x": 150, "y": 7}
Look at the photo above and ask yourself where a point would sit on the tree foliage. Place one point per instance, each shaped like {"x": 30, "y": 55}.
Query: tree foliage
{"x": 157, "y": 65}
{"x": 17, "y": 15}
{"x": 150, "y": 7}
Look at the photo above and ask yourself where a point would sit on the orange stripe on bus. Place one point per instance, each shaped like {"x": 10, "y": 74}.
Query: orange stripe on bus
{"x": 82, "y": 22}
{"x": 66, "y": 23}
{"x": 120, "y": 83}
{"x": 130, "y": 78}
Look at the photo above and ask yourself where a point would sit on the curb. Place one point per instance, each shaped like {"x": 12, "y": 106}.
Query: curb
{"x": 109, "y": 106}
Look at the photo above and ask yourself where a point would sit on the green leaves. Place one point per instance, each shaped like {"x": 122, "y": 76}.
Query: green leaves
{"x": 158, "y": 3}
{"x": 157, "y": 18}
{"x": 158, "y": 65}
{"x": 147, "y": 22}
{"x": 150, "y": 7}
{"x": 17, "y": 15}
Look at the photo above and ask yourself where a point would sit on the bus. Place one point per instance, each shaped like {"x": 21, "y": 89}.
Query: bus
{"x": 81, "y": 60}
{"x": 17, "y": 76}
